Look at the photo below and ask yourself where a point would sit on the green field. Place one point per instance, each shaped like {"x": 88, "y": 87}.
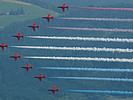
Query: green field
{"x": 31, "y": 11}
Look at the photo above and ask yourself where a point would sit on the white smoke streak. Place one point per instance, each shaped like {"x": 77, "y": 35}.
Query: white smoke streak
{"x": 78, "y": 48}
{"x": 100, "y": 91}
{"x": 98, "y": 19}
{"x": 87, "y": 69}
{"x": 83, "y": 59}
{"x": 95, "y": 78}
{"x": 92, "y": 29}
{"x": 85, "y": 39}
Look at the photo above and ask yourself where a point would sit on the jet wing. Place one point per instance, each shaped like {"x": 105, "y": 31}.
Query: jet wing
{"x": 34, "y": 24}
{"x": 27, "y": 69}
{"x": 64, "y": 5}
{"x": 48, "y": 20}
{"x": 3, "y": 48}
{"x": 34, "y": 29}
{"x": 53, "y": 92}
{"x": 15, "y": 59}
{"x": 18, "y": 38}
{"x": 3, "y": 44}
{"x": 40, "y": 75}
{"x": 48, "y": 16}
{"x": 54, "y": 88}
{"x": 16, "y": 54}
{"x": 63, "y": 9}
{"x": 40, "y": 79}
{"x": 28, "y": 65}
{"x": 19, "y": 33}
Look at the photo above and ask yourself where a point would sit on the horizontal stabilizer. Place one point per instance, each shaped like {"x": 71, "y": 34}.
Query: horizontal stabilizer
{"x": 23, "y": 36}
{"x": 53, "y": 17}
{"x": 7, "y": 45}
{"x": 32, "y": 67}
{"x": 58, "y": 90}
{"x": 20, "y": 56}
{"x": 68, "y": 7}
{"x": 38, "y": 26}
{"x": 45, "y": 77}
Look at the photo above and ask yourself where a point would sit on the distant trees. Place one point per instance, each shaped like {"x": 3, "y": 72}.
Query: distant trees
{"x": 17, "y": 12}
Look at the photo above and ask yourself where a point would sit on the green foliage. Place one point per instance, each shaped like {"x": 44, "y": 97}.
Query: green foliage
{"x": 17, "y": 12}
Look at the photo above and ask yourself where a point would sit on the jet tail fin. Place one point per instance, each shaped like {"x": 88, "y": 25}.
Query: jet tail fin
{"x": 32, "y": 67}
{"x": 45, "y": 77}
{"x": 68, "y": 7}
{"x": 38, "y": 26}
{"x": 23, "y": 36}
{"x": 58, "y": 90}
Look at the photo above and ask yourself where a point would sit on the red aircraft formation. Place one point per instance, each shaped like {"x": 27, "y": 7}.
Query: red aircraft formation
{"x": 27, "y": 67}
{"x": 40, "y": 77}
{"x": 34, "y": 26}
{"x": 48, "y": 18}
{"x": 19, "y": 36}
{"x": 3, "y": 45}
{"x": 16, "y": 56}
{"x": 63, "y": 7}
{"x": 53, "y": 90}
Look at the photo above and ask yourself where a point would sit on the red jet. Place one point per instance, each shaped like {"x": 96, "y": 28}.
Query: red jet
{"x": 3, "y": 45}
{"x": 63, "y": 7}
{"x": 48, "y": 17}
{"x": 18, "y": 36}
{"x": 27, "y": 67}
{"x": 40, "y": 77}
{"x": 34, "y": 26}
{"x": 53, "y": 90}
{"x": 16, "y": 56}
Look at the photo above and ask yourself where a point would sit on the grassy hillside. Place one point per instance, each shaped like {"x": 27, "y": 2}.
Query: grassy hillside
{"x": 113, "y": 98}
{"x": 78, "y": 3}
{"x": 31, "y": 11}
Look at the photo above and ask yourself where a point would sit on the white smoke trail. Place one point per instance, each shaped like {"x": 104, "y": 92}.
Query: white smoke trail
{"x": 83, "y": 59}
{"x": 95, "y": 78}
{"x": 87, "y": 69}
{"x": 100, "y": 91}
{"x": 85, "y": 39}
{"x": 78, "y": 48}
{"x": 92, "y": 29}
{"x": 99, "y": 19}
{"x": 97, "y": 8}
